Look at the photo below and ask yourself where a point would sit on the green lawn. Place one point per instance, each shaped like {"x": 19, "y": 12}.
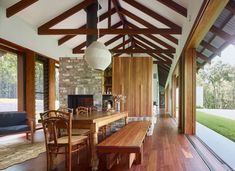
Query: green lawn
{"x": 223, "y": 126}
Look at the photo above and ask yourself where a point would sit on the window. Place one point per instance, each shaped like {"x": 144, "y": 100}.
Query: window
{"x": 8, "y": 81}
{"x": 57, "y": 104}
{"x": 41, "y": 85}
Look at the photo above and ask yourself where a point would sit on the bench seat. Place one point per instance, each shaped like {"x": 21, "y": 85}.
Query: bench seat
{"x": 128, "y": 140}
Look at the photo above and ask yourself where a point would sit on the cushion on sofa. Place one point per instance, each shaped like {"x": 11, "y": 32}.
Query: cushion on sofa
{"x": 13, "y": 118}
{"x": 13, "y": 129}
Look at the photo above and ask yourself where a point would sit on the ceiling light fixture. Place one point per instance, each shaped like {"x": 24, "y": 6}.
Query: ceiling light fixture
{"x": 96, "y": 54}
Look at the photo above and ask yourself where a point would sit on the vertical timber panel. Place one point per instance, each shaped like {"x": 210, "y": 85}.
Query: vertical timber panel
{"x": 134, "y": 76}
{"x": 190, "y": 91}
{"x": 52, "y": 87}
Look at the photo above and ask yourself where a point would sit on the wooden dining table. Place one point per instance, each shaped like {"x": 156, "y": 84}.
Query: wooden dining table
{"x": 94, "y": 121}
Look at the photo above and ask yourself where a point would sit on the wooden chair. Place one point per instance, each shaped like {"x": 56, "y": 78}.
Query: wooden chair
{"x": 53, "y": 121}
{"x": 82, "y": 111}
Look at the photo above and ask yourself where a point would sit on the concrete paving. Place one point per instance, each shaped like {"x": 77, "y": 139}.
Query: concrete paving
{"x": 222, "y": 146}
{"x": 226, "y": 113}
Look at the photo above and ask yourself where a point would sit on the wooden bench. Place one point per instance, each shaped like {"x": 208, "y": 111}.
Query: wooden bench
{"x": 127, "y": 142}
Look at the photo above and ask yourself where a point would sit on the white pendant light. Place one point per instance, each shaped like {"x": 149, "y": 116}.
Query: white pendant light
{"x": 96, "y": 54}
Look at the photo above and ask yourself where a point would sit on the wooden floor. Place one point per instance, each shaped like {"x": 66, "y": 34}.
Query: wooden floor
{"x": 166, "y": 150}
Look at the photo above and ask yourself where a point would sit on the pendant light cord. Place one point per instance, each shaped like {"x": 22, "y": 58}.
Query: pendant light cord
{"x": 98, "y": 13}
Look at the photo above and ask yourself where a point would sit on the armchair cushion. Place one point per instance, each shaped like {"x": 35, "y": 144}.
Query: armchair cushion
{"x": 13, "y": 129}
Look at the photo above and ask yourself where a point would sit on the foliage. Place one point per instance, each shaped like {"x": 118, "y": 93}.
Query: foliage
{"x": 218, "y": 83}
{"x": 8, "y": 76}
{"x": 223, "y": 126}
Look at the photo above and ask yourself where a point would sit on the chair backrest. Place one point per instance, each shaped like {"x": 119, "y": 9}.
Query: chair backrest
{"x": 64, "y": 109}
{"x": 54, "y": 122}
{"x": 82, "y": 111}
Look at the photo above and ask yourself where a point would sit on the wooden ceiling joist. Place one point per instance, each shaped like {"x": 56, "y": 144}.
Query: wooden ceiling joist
{"x": 123, "y": 31}
{"x": 153, "y": 14}
{"x": 148, "y": 25}
{"x": 222, "y": 34}
{"x": 161, "y": 62}
{"x": 174, "y": 6}
{"x": 65, "y": 15}
{"x": 102, "y": 17}
{"x": 19, "y": 6}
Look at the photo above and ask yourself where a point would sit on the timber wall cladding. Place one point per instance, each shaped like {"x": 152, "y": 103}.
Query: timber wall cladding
{"x": 132, "y": 77}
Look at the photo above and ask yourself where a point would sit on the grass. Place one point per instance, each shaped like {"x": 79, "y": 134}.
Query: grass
{"x": 223, "y": 126}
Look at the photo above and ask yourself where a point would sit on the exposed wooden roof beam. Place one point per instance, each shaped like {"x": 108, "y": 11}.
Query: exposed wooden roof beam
{"x": 133, "y": 50}
{"x": 148, "y": 49}
{"x": 82, "y": 45}
{"x": 203, "y": 57}
{"x": 117, "y": 7}
{"x": 159, "y": 41}
{"x": 210, "y": 47}
{"x": 148, "y": 25}
{"x": 231, "y": 7}
{"x": 153, "y": 14}
{"x": 19, "y": 6}
{"x": 65, "y": 15}
{"x": 102, "y": 17}
{"x": 174, "y": 6}
{"x": 124, "y": 31}
{"x": 161, "y": 62}
{"x": 152, "y": 44}
{"x": 222, "y": 34}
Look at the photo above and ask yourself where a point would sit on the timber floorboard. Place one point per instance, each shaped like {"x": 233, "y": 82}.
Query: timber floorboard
{"x": 166, "y": 150}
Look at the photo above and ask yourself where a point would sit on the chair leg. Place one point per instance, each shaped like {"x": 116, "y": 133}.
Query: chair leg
{"x": 66, "y": 157}
{"x": 88, "y": 150}
{"x": 69, "y": 160}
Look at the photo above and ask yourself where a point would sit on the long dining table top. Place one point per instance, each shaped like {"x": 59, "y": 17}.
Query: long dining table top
{"x": 98, "y": 116}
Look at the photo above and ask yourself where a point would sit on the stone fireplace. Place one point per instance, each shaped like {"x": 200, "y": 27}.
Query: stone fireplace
{"x": 76, "y": 77}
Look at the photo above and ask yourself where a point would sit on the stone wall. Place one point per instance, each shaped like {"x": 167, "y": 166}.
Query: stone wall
{"x": 76, "y": 77}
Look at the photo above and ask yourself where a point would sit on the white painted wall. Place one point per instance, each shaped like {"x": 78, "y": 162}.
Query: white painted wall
{"x": 193, "y": 9}
{"x": 19, "y": 32}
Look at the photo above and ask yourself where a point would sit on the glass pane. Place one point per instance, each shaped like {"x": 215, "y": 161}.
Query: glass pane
{"x": 8, "y": 82}
{"x": 39, "y": 89}
{"x": 57, "y": 104}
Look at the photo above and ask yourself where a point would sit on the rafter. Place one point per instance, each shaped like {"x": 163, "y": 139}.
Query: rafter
{"x": 153, "y": 14}
{"x": 82, "y": 45}
{"x": 148, "y": 25}
{"x": 231, "y": 7}
{"x": 174, "y": 6}
{"x": 161, "y": 62}
{"x": 19, "y": 6}
{"x": 210, "y": 47}
{"x": 102, "y": 17}
{"x": 222, "y": 34}
{"x": 159, "y": 41}
{"x": 152, "y": 44}
{"x": 148, "y": 50}
{"x": 203, "y": 57}
{"x": 117, "y": 7}
{"x": 65, "y": 15}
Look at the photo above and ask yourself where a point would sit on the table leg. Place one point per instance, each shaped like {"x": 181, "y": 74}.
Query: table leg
{"x": 94, "y": 142}
{"x": 126, "y": 120}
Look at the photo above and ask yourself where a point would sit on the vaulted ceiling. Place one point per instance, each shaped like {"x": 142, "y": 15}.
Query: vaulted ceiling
{"x": 151, "y": 27}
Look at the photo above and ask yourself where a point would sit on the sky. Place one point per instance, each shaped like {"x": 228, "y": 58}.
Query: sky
{"x": 227, "y": 55}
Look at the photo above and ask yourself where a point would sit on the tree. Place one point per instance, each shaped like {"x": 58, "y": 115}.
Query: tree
{"x": 217, "y": 80}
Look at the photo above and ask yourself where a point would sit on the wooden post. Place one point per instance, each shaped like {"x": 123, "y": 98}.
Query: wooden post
{"x": 20, "y": 82}
{"x": 30, "y": 84}
{"x": 190, "y": 90}
{"x": 52, "y": 86}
